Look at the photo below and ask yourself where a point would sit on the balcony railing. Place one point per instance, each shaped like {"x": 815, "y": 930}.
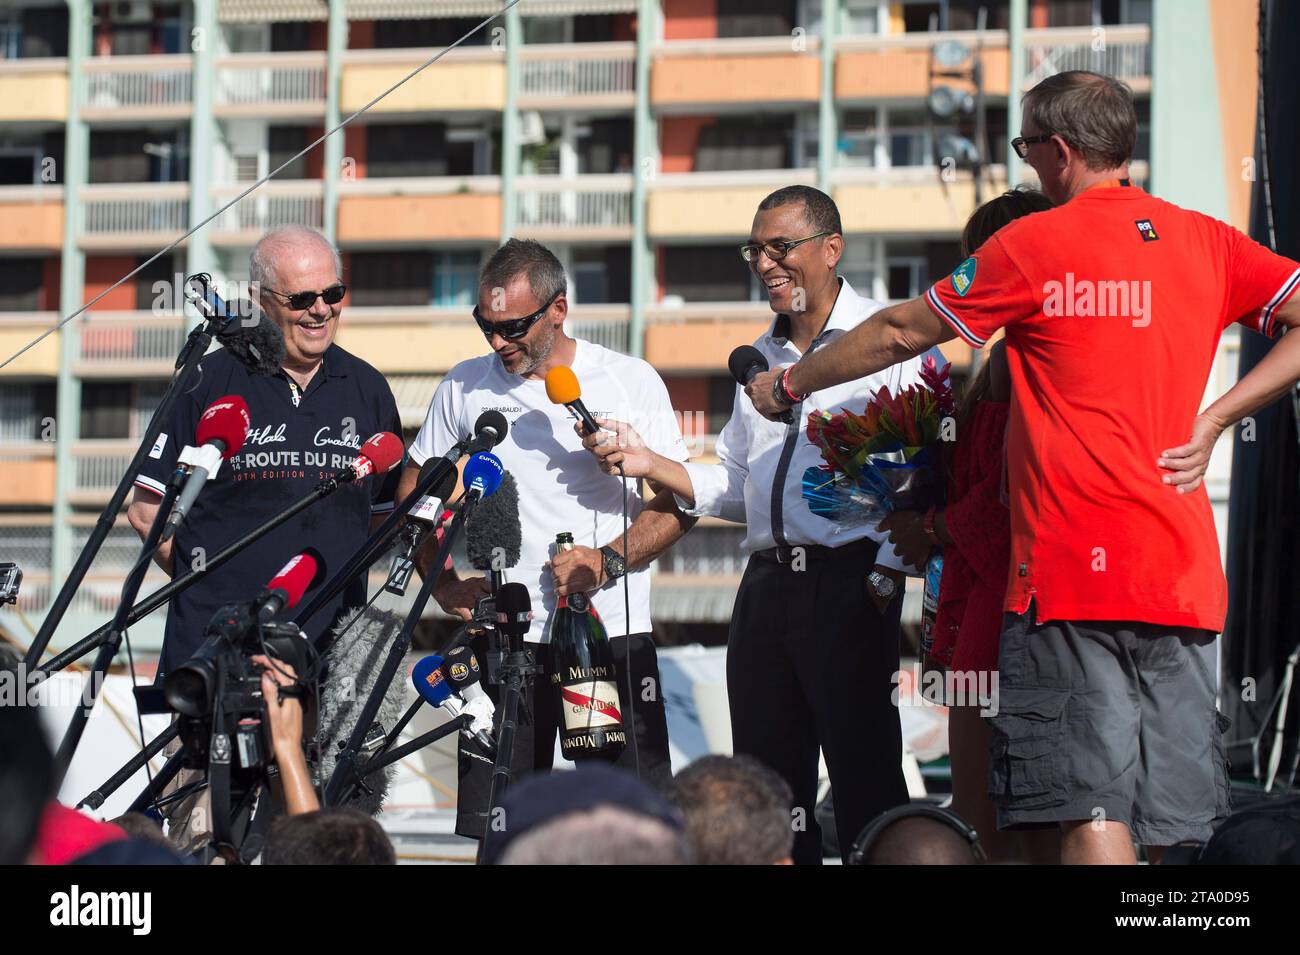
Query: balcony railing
{"x": 589, "y": 202}
{"x": 273, "y": 205}
{"x": 99, "y": 465}
{"x": 1120, "y": 51}
{"x": 127, "y": 210}
{"x": 119, "y": 82}
{"x": 605, "y": 325}
{"x": 557, "y": 72}
{"x": 111, "y": 340}
{"x": 256, "y": 79}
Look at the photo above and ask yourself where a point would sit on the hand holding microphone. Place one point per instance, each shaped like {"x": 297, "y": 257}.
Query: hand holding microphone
{"x": 747, "y": 363}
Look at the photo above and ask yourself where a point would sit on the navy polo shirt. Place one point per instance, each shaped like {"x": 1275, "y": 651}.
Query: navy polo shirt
{"x": 298, "y": 438}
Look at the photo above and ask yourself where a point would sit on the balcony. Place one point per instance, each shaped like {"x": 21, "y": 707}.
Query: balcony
{"x": 577, "y": 76}
{"x": 17, "y": 330}
{"x": 699, "y": 336}
{"x": 886, "y": 67}
{"x": 762, "y": 71}
{"x": 605, "y": 325}
{"x": 718, "y": 205}
{"x": 1120, "y": 51}
{"x": 464, "y": 79}
{"x": 132, "y": 88}
{"x": 34, "y": 90}
{"x": 97, "y": 467}
{"x": 129, "y": 345}
{"x": 33, "y": 217}
{"x": 910, "y": 200}
{"x": 589, "y": 207}
{"x": 266, "y": 86}
{"x": 26, "y": 478}
{"x": 133, "y": 215}
{"x": 427, "y": 209}
{"x": 270, "y": 206}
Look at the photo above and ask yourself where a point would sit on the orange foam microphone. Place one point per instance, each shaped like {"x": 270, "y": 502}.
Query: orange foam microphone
{"x": 563, "y": 389}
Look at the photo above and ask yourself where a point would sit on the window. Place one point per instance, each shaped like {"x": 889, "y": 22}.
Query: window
{"x": 455, "y": 278}
{"x": 106, "y": 409}
{"x": 755, "y": 17}
{"x": 161, "y": 271}
{"x": 390, "y": 278}
{"x": 20, "y": 284}
{"x": 745, "y": 143}
{"x": 602, "y": 275}
{"x": 435, "y": 32}
{"x": 282, "y": 144}
{"x": 19, "y": 166}
{"x": 605, "y": 146}
{"x": 707, "y": 274}
{"x": 425, "y": 149}
{"x": 290, "y": 37}
{"x": 139, "y": 155}
{"x": 23, "y": 407}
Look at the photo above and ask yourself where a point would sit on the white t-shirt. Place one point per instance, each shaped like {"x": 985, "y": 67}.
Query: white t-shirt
{"x": 561, "y": 487}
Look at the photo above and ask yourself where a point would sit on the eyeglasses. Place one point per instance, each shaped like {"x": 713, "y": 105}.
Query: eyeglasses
{"x": 301, "y": 301}
{"x": 515, "y": 328}
{"x": 1021, "y": 144}
{"x": 776, "y": 250}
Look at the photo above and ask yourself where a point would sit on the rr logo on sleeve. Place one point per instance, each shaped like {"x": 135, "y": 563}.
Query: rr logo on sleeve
{"x": 1146, "y": 230}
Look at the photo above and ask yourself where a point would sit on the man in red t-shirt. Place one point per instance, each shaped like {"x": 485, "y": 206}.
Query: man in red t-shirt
{"x": 1113, "y": 304}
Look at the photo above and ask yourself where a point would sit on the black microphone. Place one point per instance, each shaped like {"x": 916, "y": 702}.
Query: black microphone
{"x": 746, "y": 362}
{"x": 244, "y": 331}
{"x": 489, "y": 430}
{"x": 514, "y": 610}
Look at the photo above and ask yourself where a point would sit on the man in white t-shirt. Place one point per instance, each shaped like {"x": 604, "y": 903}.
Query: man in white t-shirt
{"x": 521, "y": 309}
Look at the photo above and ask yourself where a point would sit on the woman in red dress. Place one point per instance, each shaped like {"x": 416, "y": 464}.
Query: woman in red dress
{"x": 974, "y": 532}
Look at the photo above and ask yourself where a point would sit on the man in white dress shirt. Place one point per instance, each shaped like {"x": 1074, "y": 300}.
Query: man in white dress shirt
{"x": 812, "y": 654}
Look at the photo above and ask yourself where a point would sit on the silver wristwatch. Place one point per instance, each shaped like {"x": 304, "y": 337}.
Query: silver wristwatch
{"x": 882, "y": 585}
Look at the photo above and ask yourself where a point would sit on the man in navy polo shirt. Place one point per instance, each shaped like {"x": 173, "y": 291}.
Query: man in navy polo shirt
{"x": 308, "y": 421}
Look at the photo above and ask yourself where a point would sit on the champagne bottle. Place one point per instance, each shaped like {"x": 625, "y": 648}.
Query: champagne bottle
{"x": 583, "y": 674}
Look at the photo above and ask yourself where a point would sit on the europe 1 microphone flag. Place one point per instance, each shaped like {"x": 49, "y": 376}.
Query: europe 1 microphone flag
{"x": 221, "y": 433}
{"x": 295, "y": 578}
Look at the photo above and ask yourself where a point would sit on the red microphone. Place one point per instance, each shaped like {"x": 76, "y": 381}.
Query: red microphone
{"x": 285, "y": 589}
{"x": 378, "y": 455}
{"x": 222, "y": 430}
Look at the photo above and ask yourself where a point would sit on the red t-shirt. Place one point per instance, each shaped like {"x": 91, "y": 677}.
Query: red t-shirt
{"x": 1113, "y": 306}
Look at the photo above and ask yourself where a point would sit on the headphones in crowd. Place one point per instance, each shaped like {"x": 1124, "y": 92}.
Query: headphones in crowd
{"x": 867, "y": 839}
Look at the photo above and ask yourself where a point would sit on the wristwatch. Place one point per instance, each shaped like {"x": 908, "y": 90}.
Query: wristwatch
{"x": 615, "y": 563}
{"x": 882, "y": 585}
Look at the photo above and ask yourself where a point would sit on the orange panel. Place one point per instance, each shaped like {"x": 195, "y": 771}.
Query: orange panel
{"x": 27, "y": 482}
{"x": 32, "y": 225}
{"x": 873, "y": 74}
{"x": 735, "y": 79}
{"x": 422, "y": 218}
{"x": 697, "y": 346}
{"x": 690, "y": 19}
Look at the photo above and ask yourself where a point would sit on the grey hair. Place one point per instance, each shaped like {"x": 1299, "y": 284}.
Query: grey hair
{"x": 1092, "y": 112}
{"x": 545, "y": 274}
{"x": 738, "y": 811}
{"x": 261, "y": 261}
{"x": 605, "y": 835}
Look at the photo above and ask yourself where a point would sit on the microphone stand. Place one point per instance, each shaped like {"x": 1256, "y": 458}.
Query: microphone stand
{"x": 165, "y": 593}
{"x": 116, "y": 629}
{"x": 375, "y": 544}
{"x": 516, "y": 672}
{"x": 196, "y": 345}
{"x": 348, "y": 774}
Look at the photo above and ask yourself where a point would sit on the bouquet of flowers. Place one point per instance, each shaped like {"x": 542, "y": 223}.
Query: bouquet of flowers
{"x": 885, "y": 458}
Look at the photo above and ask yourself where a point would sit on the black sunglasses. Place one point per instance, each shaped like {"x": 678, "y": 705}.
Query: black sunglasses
{"x": 1021, "y": 144}
{"x": 515, "y": 328}
{"x": 301, "y": 301}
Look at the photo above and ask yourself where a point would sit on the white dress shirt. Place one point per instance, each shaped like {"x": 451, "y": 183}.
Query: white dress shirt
{"x": 759, "y": 477}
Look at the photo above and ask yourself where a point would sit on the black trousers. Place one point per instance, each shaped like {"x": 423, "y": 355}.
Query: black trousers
{"x": 540, "y": 721}
{"x": 811, "y": 664}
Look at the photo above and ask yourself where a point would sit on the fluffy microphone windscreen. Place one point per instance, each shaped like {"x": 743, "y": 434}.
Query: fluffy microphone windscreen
{"x": 258, "y": 346}
{"x": 384, "y": 450}
{"x": 352, "y": 666}
{"x": 562, "y": 385}
{"x": 494, "y": 525}
{"x": 226, "y": 420}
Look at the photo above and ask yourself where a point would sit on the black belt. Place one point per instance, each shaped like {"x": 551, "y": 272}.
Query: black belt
{"x": 812, "y": 553}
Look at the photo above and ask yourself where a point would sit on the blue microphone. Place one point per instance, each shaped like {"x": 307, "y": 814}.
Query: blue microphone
{"x": 483, "y": 474}
{"x": 431, "y": 684}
